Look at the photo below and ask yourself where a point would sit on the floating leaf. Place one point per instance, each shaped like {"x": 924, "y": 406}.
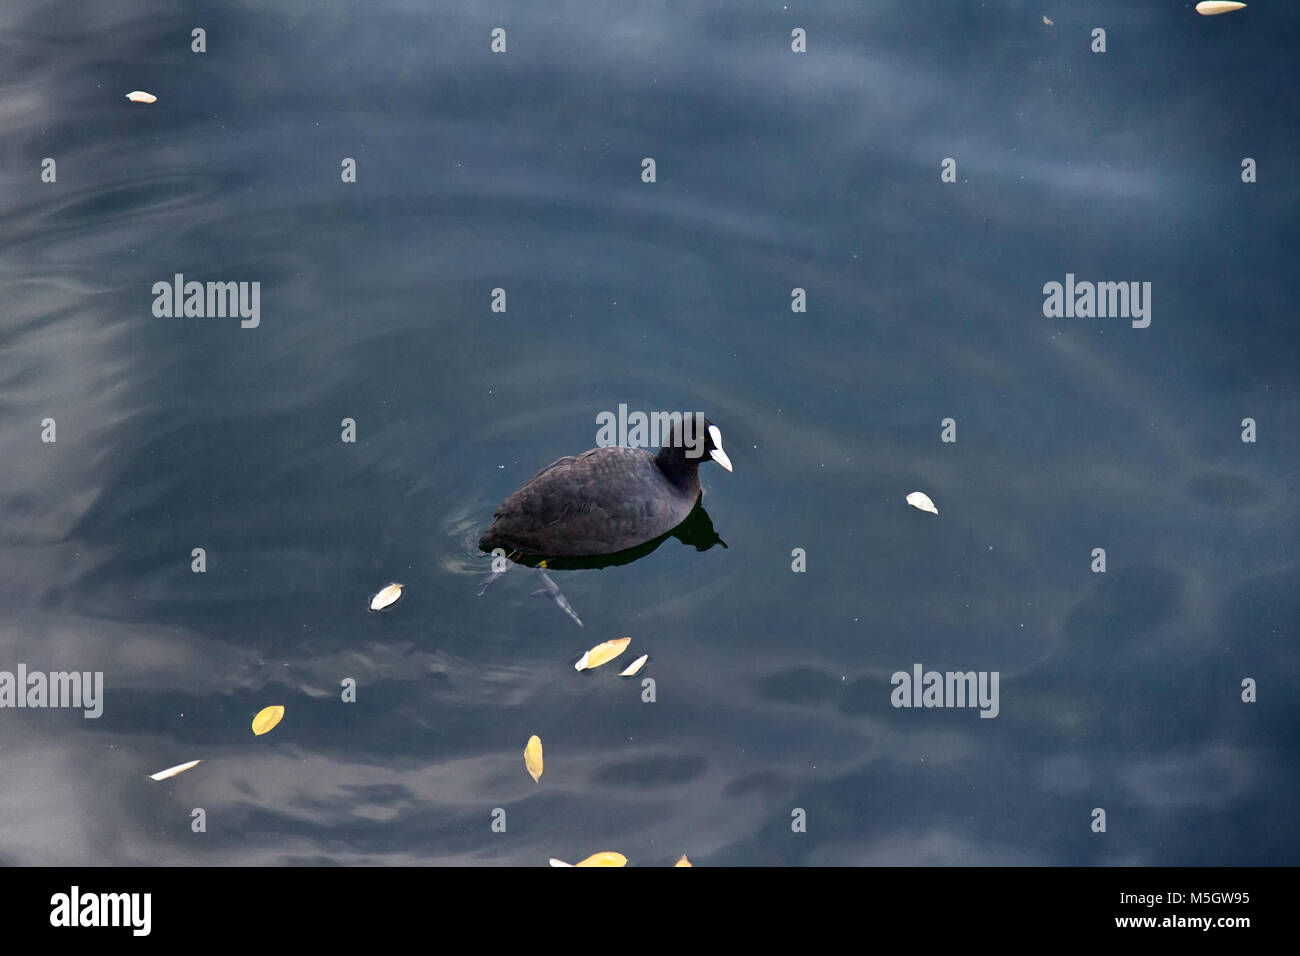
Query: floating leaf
{"x": 1046, "y": 23}
{"x": 607, "y": 858}
{"x": 683, "y": 861}
{"x": 602, "y": 653}
{"x": 635, "y": 666}
{"x": 555, "y": 862}
{"x": 173, "y": 771}
{"x": 921, "y": 501}
{"x": 385, "y": 597}
{"x": 533, "y": 757}
{"x": 140, "y": 96}
{"x": 267, "y": 718}
{"x": 1212, "y": 8}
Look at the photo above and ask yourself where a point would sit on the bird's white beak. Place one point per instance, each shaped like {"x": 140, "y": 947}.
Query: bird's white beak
{"x": 717, "y": 454}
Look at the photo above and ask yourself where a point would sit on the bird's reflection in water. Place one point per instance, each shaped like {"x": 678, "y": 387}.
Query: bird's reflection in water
{"x": 697, "y": 530}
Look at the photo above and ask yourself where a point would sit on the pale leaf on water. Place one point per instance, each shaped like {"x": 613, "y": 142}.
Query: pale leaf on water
{"x": 607, "y": 858}
{"x": 385, "y": 597}
{"x": 173, "y": 771}
{"x": 1212, "y": 8}
{"x": 533, "y": 757}
{"x": 267, "y": 718}
{"x": 921, "y": 501}
{"x": 635, "y": 666}
{"x": 140, "y": 96}
{"x": 683, "y": 861}
{"x": 555, "y": 862}
{"x": 602, "y": 653}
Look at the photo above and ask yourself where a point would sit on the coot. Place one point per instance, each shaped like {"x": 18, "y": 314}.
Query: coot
{"x": 607, "y": 499}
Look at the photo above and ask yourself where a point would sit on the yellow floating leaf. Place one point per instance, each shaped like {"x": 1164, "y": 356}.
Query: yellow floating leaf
{"x": 683, "y": 861}
{"x": 1212, "y": 8}
{"x": 607, "y": 858}
{"x": 385, "y": 597}
{"x": 635, "y": 666}
{"x": 602, "y": 653}
{"x": 555, "y": 862}
{"x": 173, "y": 771}
{"x": 140, "y": 96}
{"x": 267, "y": 718}
{"x": 533, "y": 757}
{"x": 921, "y": 501}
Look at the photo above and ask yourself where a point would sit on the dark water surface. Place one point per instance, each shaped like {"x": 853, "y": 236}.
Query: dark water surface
{"x": 775, "y": 170}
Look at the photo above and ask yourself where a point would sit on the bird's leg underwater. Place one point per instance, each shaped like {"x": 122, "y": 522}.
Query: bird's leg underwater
{"x": 549, "y": 587}
{"x": 505, "y": 566}
{"x": 553, "y": 589}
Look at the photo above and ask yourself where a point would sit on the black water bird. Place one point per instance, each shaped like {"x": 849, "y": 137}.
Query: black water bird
{"x": 608, "y": 499}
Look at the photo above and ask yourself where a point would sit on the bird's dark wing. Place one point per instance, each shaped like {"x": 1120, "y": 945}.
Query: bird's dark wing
{"x": 603, "y": 501}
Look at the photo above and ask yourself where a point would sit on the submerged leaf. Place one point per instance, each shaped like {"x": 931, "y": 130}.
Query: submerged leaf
{"x": 602, "y": 653}
{"x": 533, "y": 757}
{"x": 921, "y": 501}
{"x": 385, "y": 597}
{"x": 607, "y": 858}
{"x": 267, "y": 718}
{"x": 173, "y": 771}
{"x": 635, "y": 666}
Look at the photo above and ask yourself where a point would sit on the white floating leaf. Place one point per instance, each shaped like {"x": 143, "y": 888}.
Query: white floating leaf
{"x": 635, "y": 666}
{"x": 1048, "y": 23}
{"x": 602, "y": 653}
{"x": 1211, "y": 8}
{"x": 555, "y": 862}
{"x": 140, "y": 96}
{"x": 173, "y": 771}
{"x": 385, "y": 597}
{"x": 921, "y": 501}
